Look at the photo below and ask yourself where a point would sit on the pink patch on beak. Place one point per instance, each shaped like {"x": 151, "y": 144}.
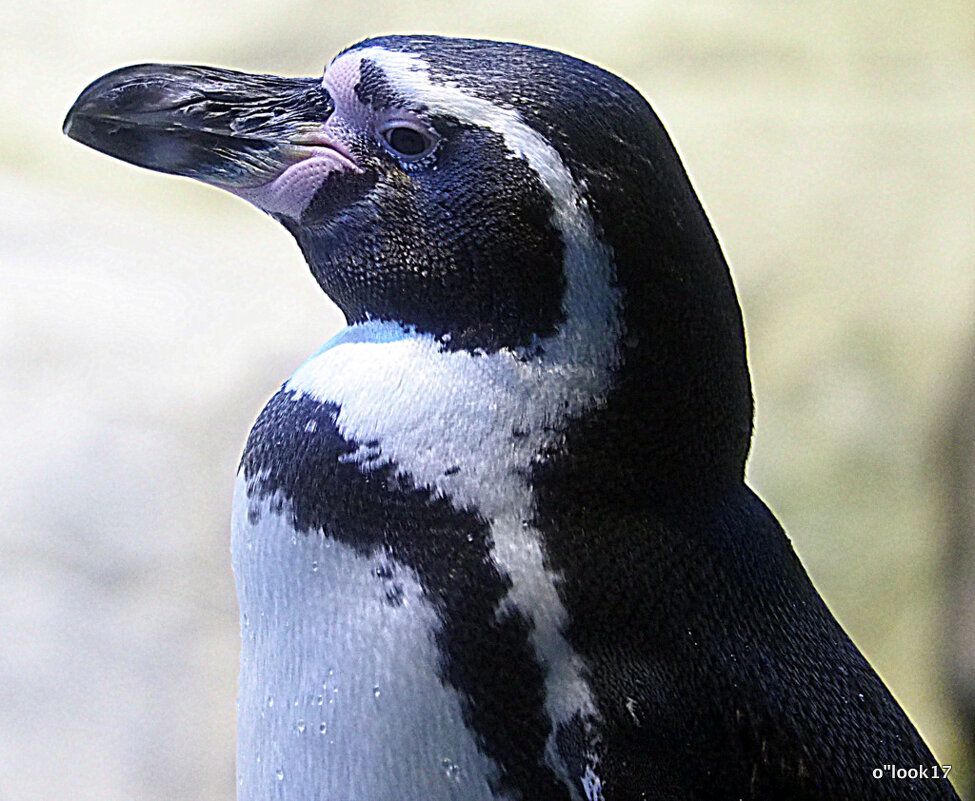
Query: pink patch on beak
{"x": 291, "y": 192}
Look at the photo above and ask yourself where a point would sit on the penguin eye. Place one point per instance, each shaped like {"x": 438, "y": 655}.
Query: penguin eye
{"x": 408, "y": 141}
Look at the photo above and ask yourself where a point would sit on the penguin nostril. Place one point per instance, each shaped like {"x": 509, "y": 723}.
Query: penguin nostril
{"x": 250, "y": 123}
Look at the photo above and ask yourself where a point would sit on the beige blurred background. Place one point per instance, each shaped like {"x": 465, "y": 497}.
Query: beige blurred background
{"x": 145, "y": 319}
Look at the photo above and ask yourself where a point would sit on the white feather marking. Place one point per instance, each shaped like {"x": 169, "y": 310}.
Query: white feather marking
{"x": 592, "y": 784}
{"x": 356, "y": 711}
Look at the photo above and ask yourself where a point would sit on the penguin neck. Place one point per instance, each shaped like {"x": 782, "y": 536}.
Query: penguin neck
{"x": 615, "y": 409}
{"x": 678, "y": 419}
{"x": 643, "y": 387}
{"x": 466, "y": 424}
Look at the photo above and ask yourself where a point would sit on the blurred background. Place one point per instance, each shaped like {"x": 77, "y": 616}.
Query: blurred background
{"x": 144, "y": 320}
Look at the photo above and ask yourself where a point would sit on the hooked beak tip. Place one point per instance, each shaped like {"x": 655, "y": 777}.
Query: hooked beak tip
{"x": 218, "y": 126}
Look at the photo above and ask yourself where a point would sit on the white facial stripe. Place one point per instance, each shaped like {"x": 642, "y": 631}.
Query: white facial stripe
{"x": 433, "y": 411}
{"x": 590, "y": 304}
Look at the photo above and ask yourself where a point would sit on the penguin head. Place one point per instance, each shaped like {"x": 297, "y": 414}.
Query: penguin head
{"x": 469, "y": 190}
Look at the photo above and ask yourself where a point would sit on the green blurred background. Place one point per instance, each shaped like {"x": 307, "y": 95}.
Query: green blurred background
{"x": 144, "y": 320}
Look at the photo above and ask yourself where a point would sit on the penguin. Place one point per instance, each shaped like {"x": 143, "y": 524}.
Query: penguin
{"x": 493, "y": 540}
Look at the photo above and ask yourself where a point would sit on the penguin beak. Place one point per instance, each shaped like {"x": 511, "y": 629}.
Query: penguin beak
{"x": 231, "y": 129}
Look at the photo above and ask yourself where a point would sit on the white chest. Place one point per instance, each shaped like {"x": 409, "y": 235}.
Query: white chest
{"x": 340, "y": 697}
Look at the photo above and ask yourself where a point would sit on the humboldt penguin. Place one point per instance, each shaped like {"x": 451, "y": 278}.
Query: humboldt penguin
{"x": 493, "y": 540}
